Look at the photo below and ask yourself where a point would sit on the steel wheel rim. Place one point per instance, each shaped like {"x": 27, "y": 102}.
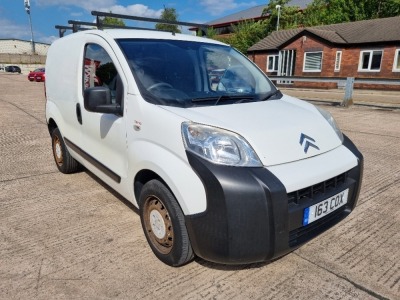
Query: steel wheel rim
{"x": 57, "y": 151}
{"x": 158, "y": 225}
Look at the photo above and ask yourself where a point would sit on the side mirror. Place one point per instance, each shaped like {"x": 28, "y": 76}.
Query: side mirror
{"x": 98, "y": 99}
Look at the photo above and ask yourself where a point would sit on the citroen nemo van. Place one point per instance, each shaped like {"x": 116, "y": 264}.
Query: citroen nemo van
{"x": 219, "y": 162}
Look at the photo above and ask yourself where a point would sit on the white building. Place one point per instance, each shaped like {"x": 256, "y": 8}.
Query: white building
{"x": 19, "y": 53}
{"x": 13, "y": 46}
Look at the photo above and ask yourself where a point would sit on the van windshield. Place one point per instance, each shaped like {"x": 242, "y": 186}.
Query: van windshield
{"x": 187, "y": 74}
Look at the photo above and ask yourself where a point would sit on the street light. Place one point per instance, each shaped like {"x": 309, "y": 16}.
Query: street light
{"x": 278, "y": 7}
{"x": 27, "y": 5}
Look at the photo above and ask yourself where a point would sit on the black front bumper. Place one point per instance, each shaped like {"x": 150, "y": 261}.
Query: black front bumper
{"x": 250, "y": 217}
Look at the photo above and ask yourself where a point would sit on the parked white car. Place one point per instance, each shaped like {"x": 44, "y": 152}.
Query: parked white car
{"x": 234, "y": 172}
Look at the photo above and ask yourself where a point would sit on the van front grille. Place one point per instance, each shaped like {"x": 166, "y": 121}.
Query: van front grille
{"x": 317, "y": 189}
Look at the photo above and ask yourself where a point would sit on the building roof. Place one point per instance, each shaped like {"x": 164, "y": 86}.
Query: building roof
{"x": 360, "y": 32}
{"x": 255, "y": 12}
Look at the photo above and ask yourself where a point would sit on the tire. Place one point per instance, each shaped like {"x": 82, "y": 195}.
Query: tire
{"x": 64, "y": 161}
{"x": 164, "y": 224}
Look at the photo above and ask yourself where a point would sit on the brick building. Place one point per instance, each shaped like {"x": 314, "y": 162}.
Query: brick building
{"x": 224, "y": 25}
{"x": 363, "y": 49}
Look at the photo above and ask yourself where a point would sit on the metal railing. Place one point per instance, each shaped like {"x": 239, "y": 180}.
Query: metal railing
{"x": 348, "y": 83}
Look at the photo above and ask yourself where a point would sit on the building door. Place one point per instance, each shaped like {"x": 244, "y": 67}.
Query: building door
{"x": 286, "y": 65}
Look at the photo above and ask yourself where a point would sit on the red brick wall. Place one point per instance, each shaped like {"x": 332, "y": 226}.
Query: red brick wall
{"x": 308, "y": 44}
{"x": 349, "y": 63}
{"x": 260, "y": 60}
{"x": 351, "y": 58}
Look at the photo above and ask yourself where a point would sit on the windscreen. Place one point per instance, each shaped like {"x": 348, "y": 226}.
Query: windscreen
{"x": 186, "y": 74}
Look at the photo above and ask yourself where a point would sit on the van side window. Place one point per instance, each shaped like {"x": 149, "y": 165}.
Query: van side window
{"x": 99, "y": 70}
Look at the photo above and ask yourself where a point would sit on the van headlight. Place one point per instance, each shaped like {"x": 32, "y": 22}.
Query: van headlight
{"x": 331, "y": 122}
{"x": 219, "y": 146}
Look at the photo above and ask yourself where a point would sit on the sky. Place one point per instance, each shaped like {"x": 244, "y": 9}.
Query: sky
{"x": 45, "y": 14}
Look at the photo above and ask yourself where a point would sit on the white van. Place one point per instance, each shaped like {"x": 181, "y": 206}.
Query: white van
{"x": 219, "y": 162}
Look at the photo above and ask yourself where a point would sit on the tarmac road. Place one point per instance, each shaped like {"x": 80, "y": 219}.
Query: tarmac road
{"x": 70, "y": 237}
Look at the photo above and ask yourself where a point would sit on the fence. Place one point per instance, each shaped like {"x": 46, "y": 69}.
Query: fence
{"x": 348, "y": 83}
{"x": 6, "y": 58}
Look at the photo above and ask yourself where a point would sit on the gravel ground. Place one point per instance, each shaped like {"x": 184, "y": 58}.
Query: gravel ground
{"x": 71, "y": 237}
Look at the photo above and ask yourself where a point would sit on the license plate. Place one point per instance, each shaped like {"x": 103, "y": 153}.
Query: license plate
{"x": 325, "y": 207}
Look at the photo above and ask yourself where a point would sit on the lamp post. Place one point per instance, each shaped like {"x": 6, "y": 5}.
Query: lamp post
{"x": 278, "y": 7}
{"x": 27, "y": 5}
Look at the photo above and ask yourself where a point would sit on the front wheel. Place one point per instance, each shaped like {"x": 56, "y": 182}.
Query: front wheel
{"x": 164, "y": 224}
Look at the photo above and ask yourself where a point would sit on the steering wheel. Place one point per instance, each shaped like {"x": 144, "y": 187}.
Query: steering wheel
{"x": 159, "y": 84}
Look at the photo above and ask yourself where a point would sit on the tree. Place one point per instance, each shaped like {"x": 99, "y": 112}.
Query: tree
{"x": 380, "y": 8}
{"x": 289, "y": 16}
{"x": 246, "y": 34}
{"x": 319, "y": 12}
{"x": 113, "y": 21}
{"x": 210, "y": 32}
{"x": 323, "y": 12}
{"x": 169, "y": 14}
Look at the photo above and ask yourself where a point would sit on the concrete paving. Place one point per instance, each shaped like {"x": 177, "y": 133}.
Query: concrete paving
{"x": 70, "y": 237}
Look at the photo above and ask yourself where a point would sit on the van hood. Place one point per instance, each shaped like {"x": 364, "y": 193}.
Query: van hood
{"x": 280, "y": 131}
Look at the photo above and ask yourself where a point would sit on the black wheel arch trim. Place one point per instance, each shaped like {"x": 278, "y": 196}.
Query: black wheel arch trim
{"x": 236, "y": 226}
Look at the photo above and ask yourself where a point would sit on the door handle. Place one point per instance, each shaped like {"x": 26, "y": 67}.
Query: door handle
{"x": 78, "y": 113}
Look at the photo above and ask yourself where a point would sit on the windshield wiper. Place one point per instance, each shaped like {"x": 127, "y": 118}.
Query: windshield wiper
{"x": 239, "y": 98}
{"x": 270, "y": 94}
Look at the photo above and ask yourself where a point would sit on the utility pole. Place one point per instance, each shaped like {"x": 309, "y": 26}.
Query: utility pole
{"x": 278, "y": 7}
{"x": 28, "y": 11}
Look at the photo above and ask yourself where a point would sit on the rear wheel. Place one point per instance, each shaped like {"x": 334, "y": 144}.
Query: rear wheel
{"x": 164, "y": 224}
{"x": 64, "y": 161}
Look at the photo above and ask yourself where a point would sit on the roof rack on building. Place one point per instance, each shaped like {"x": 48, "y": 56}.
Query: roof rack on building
{"x": 99, "y": 24}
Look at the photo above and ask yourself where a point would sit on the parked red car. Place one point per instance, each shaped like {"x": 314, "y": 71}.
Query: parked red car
{"x": 40, "y": 77}
{"x": 37, "y": 75}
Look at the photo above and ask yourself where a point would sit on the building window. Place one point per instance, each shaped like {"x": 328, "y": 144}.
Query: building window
{"x": 370, "y": 60}
{"x": 396, "y": 64}
{"x": 338, "y": 60}
{"x": 272, "y": 63}
{"x": 312, "y": 62}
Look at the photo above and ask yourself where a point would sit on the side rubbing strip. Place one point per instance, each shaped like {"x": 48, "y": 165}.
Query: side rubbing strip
{"x": 93, "y": 161}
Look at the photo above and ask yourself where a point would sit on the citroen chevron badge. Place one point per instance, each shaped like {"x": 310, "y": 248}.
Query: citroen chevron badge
{"x": 308, "y": 142}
